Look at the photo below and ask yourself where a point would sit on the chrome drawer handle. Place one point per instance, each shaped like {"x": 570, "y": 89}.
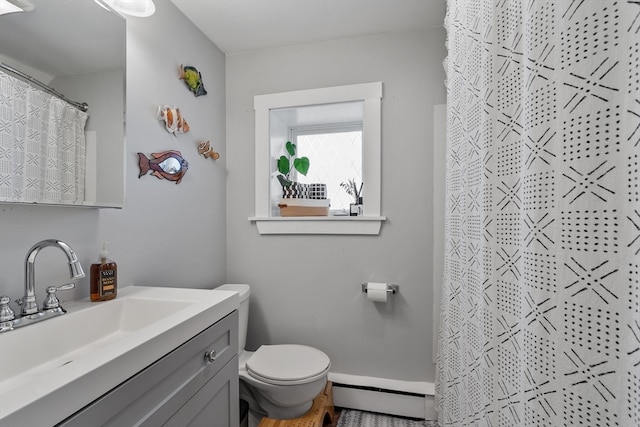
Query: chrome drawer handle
{"x": 210, "y": 356}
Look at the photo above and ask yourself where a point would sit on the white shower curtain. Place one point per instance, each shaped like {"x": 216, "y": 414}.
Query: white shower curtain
{"x": 540, "y": 315}
{"x": 42, "y": 146}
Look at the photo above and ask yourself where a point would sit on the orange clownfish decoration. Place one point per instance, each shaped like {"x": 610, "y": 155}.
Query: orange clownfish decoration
{"x": 173, "y": 120}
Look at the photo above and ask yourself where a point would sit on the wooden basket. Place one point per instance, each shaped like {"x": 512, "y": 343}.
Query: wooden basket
{"x": 287, "y": 210}
{"x": 304, "y": 207}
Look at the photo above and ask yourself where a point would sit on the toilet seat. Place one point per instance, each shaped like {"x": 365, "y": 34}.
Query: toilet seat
{"x": 287, "y": 364}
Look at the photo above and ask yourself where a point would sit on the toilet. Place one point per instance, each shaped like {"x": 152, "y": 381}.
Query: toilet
{"x": 282, "y": 380}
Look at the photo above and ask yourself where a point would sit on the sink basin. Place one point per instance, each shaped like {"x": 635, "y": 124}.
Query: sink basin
{"x": 64, "y": 339}
{"x": 77, "y": 357}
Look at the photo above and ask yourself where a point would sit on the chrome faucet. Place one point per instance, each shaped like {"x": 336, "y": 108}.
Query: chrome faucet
{"x": 51, "y": 307}
{"x": 29, "y": 304}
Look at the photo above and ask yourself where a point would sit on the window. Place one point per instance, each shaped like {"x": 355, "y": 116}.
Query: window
{"x": 307, "y": 116}
{"x": 336, "y": 155}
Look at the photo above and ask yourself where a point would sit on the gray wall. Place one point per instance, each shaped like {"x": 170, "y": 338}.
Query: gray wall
{"x": 168, "y": 234}
{"x": 306, "y": 289}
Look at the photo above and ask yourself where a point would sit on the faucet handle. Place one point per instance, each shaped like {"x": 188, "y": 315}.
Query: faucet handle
{"x": 52, "y": 300}
{"x": 6, "y": 313}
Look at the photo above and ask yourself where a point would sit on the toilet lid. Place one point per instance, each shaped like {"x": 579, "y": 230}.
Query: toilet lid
{"x": 287, "y": 364}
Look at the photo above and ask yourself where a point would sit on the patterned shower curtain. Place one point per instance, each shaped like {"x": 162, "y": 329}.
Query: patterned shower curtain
{"x": 42, "y": 146}
{"x": 540, "y": 314}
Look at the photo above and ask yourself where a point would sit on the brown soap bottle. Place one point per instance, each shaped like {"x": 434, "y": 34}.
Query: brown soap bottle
{"x": 104, "y": 278}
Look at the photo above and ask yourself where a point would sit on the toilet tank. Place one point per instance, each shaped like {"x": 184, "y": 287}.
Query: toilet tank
{"x": 243, "y": 312}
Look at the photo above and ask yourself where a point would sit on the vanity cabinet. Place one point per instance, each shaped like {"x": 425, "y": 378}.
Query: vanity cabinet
{"x": 194, "y": 385}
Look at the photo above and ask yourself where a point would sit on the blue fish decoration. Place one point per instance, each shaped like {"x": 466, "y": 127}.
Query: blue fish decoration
{"x": 169, "y": 165}
{"x": 193, "y": 79}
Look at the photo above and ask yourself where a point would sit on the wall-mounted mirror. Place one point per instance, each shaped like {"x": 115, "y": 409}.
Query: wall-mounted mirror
{"x": 78, "y": 49}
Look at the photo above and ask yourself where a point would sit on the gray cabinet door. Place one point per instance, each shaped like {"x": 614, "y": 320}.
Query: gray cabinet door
{"x": 215, "y": 404}
{"x": 183, "y": 385}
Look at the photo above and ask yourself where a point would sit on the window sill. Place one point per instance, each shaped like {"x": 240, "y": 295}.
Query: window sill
{"x": 365, "y": 225}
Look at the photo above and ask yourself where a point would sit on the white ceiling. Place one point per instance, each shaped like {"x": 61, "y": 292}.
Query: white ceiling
{"x": 246, "y": 25}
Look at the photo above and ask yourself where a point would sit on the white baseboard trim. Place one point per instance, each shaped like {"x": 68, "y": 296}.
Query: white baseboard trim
{"x": 414, "y": 399}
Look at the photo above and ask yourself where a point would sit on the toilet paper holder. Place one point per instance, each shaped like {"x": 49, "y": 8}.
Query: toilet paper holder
{"x": 391, "y": 288}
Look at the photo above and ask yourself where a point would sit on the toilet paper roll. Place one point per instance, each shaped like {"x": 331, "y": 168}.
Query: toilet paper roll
{"x": 377, "y": 292}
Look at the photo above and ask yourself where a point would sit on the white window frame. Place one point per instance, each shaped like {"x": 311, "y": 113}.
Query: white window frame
{"x": 371, "y": 221}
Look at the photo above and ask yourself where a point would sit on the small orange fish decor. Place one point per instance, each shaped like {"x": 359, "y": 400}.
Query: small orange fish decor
{"x": 173, "y": 120}
{"x": 204, "y": 148}
{"x": 169, "y": 165}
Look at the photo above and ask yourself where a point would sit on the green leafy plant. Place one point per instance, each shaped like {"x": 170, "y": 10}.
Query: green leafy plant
{"x": 287, "y": 162}
{"x": 352, "y": 189}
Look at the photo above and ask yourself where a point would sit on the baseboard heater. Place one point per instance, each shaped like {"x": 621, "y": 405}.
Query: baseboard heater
{"x": 403, "y": 398}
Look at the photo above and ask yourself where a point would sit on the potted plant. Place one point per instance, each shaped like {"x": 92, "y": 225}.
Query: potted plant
{"x": 285, "y": 165}
{"x": 354, "y": 191}
{"x": 299, "y": 199}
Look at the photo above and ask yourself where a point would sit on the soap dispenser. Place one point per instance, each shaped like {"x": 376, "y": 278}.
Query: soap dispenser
{"x": 104, "y": 277}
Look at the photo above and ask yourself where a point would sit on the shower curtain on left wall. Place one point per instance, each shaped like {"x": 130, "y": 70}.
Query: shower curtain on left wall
{"x": 42, "y": 146}
{"x": 540, "y": 316}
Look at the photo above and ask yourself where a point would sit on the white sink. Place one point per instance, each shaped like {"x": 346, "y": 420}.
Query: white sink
{"x": 53, "y": 368}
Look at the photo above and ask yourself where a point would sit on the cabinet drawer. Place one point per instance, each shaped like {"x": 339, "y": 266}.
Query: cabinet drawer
{"x": 161, "y": 389}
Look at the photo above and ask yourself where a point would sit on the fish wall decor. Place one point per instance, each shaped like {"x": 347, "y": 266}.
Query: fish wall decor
{"x": 169, "y": 165}
{"x": 204, "y": 148}
{"x": 193, "y": 79}
{"x": 173, "y": 120}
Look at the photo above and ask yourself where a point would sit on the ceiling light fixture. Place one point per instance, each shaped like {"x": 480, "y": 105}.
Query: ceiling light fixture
{"x": 11, "y": 6}
{"x": 139, "y": 8}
